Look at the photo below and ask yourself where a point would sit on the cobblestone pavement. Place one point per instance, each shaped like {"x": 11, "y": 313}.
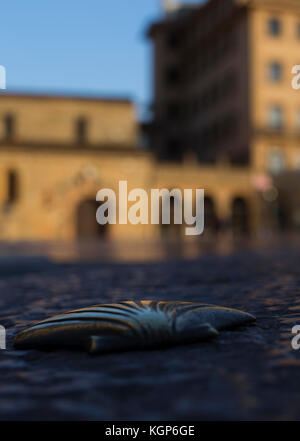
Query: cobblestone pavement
{"x": 249, "y": 373}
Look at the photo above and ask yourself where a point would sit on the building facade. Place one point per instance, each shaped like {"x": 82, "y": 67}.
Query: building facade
{"x": 56, "y": 153}
{"x": 223, "y": 87}
{"x": 222, "y": 83}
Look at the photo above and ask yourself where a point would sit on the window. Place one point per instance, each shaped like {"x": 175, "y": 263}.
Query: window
{"x": 173, "y": 110}
{"x": 275, "y": 71}
{"x": 276, "y": 161}
{"x": 229, "y": 85}
{"x": 275, "y": 118}
{"x": 274, "y": 27}
{"x": 172, "y": 76}
{"x": 9, "y": 126}
{"x": 12, "y": 186}
{"x": 81, "y": 131}
{"x": 173, "y": 41}
{"x": 230, "y": 125}
{"x": 174, "y": 150}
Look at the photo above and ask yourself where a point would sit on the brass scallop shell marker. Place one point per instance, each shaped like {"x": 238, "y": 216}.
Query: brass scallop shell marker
{"x": 131, "y": 325}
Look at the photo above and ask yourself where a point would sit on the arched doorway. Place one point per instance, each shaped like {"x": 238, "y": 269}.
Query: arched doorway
{"x": 87, "y": 225}
{"x": 210, "y": 216}
{"x": 172, "y": 230}
{"x": 240, "y": 216}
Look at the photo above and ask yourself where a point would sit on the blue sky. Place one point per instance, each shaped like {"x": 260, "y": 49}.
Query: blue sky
{"x": 77, "y": 46}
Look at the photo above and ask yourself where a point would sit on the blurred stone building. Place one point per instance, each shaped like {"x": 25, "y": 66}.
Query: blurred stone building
{"x": 223, "y": 87}
{"x": 57, "y": 152}
{"x": 224, "y": 118}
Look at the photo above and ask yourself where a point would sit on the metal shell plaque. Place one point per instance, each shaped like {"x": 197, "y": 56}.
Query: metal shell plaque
{"x": 131, "y": 325}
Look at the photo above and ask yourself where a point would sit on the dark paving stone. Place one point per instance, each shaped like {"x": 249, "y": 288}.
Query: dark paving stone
{"x": 250, "y": 373}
